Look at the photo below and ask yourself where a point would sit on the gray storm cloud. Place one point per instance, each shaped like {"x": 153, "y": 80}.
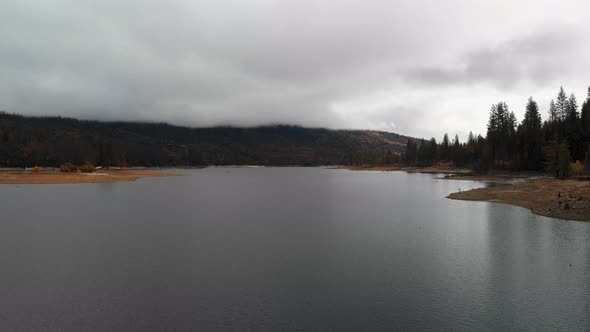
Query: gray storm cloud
{"x": 542, "y": 58}
{"x": 415, "y": 67}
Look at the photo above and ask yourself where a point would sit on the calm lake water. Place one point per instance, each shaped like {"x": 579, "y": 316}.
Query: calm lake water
{"x": 284, "y": 249}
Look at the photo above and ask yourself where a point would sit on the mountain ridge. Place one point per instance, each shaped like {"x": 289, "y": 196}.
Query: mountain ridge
{"x": 52, "y": 140}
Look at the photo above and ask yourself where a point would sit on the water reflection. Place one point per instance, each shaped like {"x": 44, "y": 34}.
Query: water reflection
{"x": 285, "y": 249}
{"x": 530, "y": 274}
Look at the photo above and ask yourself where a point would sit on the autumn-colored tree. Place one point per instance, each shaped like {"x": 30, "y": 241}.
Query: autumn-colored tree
{"x": 87, "y": 168}
{"x": 68, "y": 168}
{"x": 577, "y": 168}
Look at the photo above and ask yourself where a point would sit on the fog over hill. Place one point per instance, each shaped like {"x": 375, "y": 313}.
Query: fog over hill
{"x": 51, "y": 141}
{"x": 418, "y": 67}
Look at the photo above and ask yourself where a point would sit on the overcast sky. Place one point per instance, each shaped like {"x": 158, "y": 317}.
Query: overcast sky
{"x": 415, "y": 67}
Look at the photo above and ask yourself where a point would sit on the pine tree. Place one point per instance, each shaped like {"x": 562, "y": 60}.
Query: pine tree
{"x": 553, "y": 116}
{"x": 456, "y": 155}
{"x": 512, "y": 123}
{"x": 445, "y": 141}
{"x": 501, "y": 131}
{"x": 562, "y": 105}
{"x": 585, "y": 119}
{"x": 572, "y": 109}
{"x": 493, "y": 131}
{"x": 445, "y": 148}
{"x": 411, "y": 152}
{"x": 573, "y": 130}
{"x": 433, "y": 149}
{"x": 587, "y": 162}
{"x": 531, "y": 137}
{"x": 423, "y": 154}
{"x": 532, "y": 117}
{"x": 493, "y": 122}
{"x": 563, "y": 161}
{"x": 471, "y": 139}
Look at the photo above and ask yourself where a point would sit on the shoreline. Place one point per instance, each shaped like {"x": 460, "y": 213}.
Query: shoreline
{"x": 102, "y": 176}
{"x": 407, "y": 169}
{"x": 567, "y": 199}
{"x": 555, "y": 198}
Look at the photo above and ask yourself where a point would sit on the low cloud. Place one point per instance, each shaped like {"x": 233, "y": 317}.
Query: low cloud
{"x": 415, "y": 67}
{"x": 545, "y": 57}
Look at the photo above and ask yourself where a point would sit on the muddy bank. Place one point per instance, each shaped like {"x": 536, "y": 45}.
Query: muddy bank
{"x": 109, "y": 176}
{"x": 563, "y": 199}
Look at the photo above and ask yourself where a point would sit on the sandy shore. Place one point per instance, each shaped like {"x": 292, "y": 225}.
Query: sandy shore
{"x": 563, "y": 199}
{"x": 108, "y": 176}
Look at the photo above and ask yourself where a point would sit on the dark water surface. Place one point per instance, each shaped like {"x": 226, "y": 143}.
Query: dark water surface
{"x": 296, "y": 249}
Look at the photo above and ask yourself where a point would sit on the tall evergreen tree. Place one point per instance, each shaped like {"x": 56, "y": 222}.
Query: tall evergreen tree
{"x": 433, "y": 149}
{"x": 411, "y": 152}
{"x": 493, "y": 122}
{"x": 553, "y": 115}
{"x": 531, "y": 137}
{"x": 562, "y": 105}
{"x": 563, "y": 161}
{"x": 456, "y": 154}
{"x": 532, "y": 117}
{"x": 501, "y": 131}
{"x": 424, "y": 157}
{"x": 471, "y": 139}
{"x": 572, "y": 108}
{"x": 573, "y": 130}
{"x": 586, "y": 117}
{"x": 445, "y": 148}
{"x": 512, "y": 123}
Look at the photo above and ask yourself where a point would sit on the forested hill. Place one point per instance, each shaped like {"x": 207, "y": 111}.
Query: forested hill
{"x": 51, "y": 141}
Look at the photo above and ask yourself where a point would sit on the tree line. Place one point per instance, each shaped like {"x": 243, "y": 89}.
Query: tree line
{"x": 54, "y": 141}
{"x": 559, "y": 145}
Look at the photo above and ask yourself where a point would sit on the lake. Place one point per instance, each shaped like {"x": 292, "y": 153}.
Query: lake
{"x": 285, "y": 249}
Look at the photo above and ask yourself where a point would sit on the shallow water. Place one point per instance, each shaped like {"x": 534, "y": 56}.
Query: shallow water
{"x": 285, "y": 249}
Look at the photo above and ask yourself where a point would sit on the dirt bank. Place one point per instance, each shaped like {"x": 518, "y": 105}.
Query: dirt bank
{"x": 109, "y": 176}
{"x": 563, "y": 199}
